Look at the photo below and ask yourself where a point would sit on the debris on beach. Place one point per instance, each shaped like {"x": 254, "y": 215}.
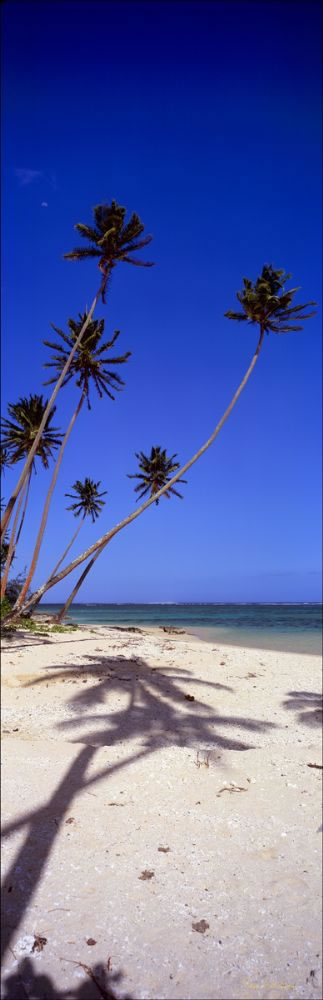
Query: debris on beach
{"x": 39, "y": 943}
{"x": 125, "y": 628}
{"x": 91, "y": 941}
{"x": 200, "y": 926}
{"x": 205, "y": 760}
{"x": 231, "y": 788}
{"x": 164, "y": 850}
{"x": 172, "y": 629}
{"x": 146, "y": 874}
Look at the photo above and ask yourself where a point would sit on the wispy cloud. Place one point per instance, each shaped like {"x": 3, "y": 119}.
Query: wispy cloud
{"x": 27, "y": 176}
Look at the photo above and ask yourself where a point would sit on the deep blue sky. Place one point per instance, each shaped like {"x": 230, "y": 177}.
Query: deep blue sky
{"x": 205, "y": 119}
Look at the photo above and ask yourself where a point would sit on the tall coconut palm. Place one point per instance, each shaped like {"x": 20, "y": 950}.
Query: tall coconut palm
{"x": 88, "y": 365}
{"x": 87, "y": 499}
{"x": 265, "y": 303}
{"x": 156, "y": 471}
{"x": 263, "y": 306}
{"x": 88, "y": 502}
{"x": 111, "y": 240}
{"x": 18, "y": 436}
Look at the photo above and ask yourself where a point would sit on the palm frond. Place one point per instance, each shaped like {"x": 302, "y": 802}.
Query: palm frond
{"x": 79, "y": 253}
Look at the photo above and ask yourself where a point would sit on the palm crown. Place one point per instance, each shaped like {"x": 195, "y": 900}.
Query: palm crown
{"x": 156, "y": 471}
{"x": 17, "y": 438}
{"x": 111, "y": 239}
{"x": 87, "y": 498}
{"x": 88, "y": 362}
{"x": 265, "y": 302}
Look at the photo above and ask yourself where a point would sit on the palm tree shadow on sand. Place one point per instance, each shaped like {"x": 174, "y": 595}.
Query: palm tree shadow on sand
{"x": 157, "y": 715}
{"x": 307, "y": 704}
{"x": 99, "y": 983}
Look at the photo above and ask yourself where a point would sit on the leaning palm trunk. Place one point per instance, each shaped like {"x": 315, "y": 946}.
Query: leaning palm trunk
{"x": 43, "y": 522}
{"x": 102, "y": 542}
{"x": 68, "y": 547}
{"x": 24, "y": 510}
{"x": 60, "y": 380}
{"x": 15, "y": 539}
{"x": 78, "y": 585}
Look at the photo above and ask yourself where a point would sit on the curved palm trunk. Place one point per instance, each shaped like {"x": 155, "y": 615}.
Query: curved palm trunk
{"x": 102, "y": 542}
{"x": 68, "y": 547}
{"x": 43, "y": 522}
{"x": 13, "y": 540}
{"x": 76, "y": 589}
{"x": 33, "y": 603}
{"x": 24, "y": 510}
{"x": 31, "y": 454}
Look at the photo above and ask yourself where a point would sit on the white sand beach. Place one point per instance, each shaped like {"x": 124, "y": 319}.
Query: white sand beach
{"x": 161, "y": 817}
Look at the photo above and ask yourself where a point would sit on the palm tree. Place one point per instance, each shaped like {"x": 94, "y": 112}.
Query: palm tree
{"x": 156, "y": 471}
{"x": 111, "y": 240}
{"x": 89, "y": 364}
{"x": 87, "y": 499}
{"x": 18, "y": 437}
{"x": 262, "y": 306}
{"x": 88, "y": 503}
{"x": 17, "y": 441}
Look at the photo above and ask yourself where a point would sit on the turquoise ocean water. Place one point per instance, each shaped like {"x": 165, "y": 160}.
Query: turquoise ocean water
{"x": 286, "y": 627}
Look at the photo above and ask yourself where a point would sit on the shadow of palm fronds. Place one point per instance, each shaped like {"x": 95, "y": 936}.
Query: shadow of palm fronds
{"x": 155, "y": 713}
{"x": 307, "y": 704}
{"x": 99, "y": 983}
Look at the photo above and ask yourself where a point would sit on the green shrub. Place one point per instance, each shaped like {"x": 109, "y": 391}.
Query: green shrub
{"x": 5, "y": 606}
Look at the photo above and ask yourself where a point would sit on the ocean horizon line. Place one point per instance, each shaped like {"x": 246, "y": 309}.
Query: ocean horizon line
{"x": 177, "y": 604}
